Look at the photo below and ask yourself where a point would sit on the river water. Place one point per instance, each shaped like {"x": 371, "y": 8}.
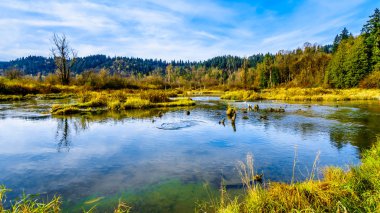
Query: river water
{"x": 175, "y": 162}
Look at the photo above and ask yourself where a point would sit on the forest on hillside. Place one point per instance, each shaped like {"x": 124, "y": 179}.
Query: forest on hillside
{"x": 351, "y": 61}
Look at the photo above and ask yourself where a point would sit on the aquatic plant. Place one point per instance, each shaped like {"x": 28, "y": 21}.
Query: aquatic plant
{"x": 30, "y": 203}
{"x": 33, "y": 204}
{"x": 64, "y": 110}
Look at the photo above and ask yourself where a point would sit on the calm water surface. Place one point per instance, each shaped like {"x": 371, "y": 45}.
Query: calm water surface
{"x": 166, "y": 164}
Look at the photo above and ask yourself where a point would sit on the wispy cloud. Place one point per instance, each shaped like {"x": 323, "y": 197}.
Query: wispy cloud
{"x": 183, "y": 29}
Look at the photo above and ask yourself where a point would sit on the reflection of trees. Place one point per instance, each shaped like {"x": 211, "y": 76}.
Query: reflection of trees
{"x": 358, "y": 136}
{"x": 62, "y": 135}
{"x": 359, "y": 128}
{"x": 64, "y": 131}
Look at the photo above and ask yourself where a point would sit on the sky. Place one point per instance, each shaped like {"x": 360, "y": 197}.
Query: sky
{"x": 175, "y": 29}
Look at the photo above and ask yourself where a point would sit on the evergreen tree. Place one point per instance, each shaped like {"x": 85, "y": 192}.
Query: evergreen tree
{"x": 339, "y": 38}
{"x": 335, "y": 71}
{"x": 349, "y": 64}
{"x": 356, "y": 63}
{"x": 371, "y": 33}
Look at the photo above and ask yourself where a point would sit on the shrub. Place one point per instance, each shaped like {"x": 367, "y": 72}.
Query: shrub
{"x": 371, "y": 81}
{"x": 155, "y": 96}
{"x": 13, "y": 74}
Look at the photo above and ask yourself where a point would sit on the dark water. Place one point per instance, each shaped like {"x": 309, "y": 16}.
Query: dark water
{"x": 170, "y": 164}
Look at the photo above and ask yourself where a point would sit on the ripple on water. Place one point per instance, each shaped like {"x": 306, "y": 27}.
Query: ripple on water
{"x": 179, "y": 125}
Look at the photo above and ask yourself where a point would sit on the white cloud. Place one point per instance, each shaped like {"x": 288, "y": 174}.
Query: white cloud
{"x": 166, "y": 29}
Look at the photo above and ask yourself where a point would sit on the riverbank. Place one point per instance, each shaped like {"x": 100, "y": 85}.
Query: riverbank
{"x": 355, "y": 190}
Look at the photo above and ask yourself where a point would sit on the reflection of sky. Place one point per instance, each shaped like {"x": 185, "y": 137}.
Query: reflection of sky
{"x": 116, "y": 155}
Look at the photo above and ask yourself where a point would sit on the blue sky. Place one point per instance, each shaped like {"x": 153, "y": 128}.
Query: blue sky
{"x": 175, "y": 29}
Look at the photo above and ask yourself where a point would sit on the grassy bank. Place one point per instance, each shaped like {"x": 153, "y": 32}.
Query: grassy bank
{"x": 121, "y": 100}
{"x": 304, "y": 94}
{"x": 355, "y": 190}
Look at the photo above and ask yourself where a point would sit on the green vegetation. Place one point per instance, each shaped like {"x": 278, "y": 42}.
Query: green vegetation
{"x": 355, "y": 190}
{"x": 29, "y": 203}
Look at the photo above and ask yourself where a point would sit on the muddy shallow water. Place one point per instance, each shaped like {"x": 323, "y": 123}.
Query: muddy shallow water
{"x": 170, "y": 163}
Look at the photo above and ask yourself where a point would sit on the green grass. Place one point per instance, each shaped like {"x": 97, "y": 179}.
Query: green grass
{"x": 28, "y": 203}
{"x": 355, "y": 190}
{"x": 33, "y": 204}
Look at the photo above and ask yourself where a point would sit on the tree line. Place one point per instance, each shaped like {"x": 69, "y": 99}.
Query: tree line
{"x": 350, "y": 61}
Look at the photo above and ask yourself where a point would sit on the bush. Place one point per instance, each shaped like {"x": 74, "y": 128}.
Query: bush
{"x": 155, "y": 96}
{"x": 371, "y": 81}
{"x": 136, "y": 103}
{"x": 13, "y": 74}
{"x": 51, "y": 79}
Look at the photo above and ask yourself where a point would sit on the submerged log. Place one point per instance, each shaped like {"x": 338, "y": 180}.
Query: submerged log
{"x": 257, "y": 179}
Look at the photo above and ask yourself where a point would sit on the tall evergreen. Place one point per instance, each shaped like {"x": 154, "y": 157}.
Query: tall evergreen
{"x": 371, "y": 33}
{"x": 339, "y": 38}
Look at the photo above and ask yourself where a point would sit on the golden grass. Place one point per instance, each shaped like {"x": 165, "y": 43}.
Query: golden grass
{"x": 26, "y": 86}
{"x": 305, "y": 94}
{"x": 119, "y": 100}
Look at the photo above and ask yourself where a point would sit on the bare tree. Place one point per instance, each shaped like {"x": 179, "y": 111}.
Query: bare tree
{"x": 64, "y": 57}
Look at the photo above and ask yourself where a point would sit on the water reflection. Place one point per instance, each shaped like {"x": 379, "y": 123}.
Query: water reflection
{"x": 345, "y": 125}
{"x": 62, "y": 135}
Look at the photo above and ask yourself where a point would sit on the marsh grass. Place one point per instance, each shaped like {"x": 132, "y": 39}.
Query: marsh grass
{"x": 355, "y": 190}
{"x": 304, "y": 94}
{"x": 120, "y": 100}
{"x": 155, "y": 96}
{"x": 26, "y": 86}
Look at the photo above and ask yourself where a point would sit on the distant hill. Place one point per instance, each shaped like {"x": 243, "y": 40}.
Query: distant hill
{"x": 32, "y": 65}
{"x": 35, "y": 64}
